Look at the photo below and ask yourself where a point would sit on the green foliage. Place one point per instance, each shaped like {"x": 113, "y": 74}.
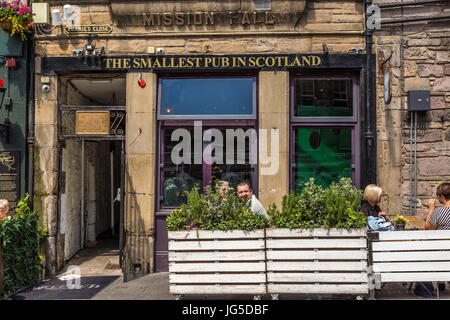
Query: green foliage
{"x": 336, "y": 206}
{"x": 19, "y": 238}
{"x": 301, "y": 210}
{"x": 343, "y": 202}
{"x": 212, "y": 211}
{"x": 19, "y": 15}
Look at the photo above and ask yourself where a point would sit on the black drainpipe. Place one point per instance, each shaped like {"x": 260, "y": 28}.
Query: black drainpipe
{"x": 30, "y": 134}
{"x": 370, "y": 110}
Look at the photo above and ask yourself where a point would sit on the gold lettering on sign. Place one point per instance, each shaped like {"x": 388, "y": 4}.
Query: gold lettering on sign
{"x": 174, "y": 62}
{"x": 92, "y": 123}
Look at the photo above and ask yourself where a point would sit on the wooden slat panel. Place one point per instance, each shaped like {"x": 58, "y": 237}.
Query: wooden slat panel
{"x": 216, "y": 245}
{"x": 296, "y": 233}
{"x": 317, "y": 277}
{"x": 319, "y": 255}
{"x": 217, "y": 278}
{"x": 415, "y": 276}
{"x": 217, "y": 267}
{"x": 222, "y": 289}
{"x": 217, "y": 256}
{"x": 317, "y": 266}
{"x": 318, "y": 289}
{"x": 217, "y": 234}
{"x": 411, "y": 266}
{"x": 315, "y": 243}
{"x": 411, "y": 245}
{"x": 411, "y": 256}
{"x": 415, "y": 235}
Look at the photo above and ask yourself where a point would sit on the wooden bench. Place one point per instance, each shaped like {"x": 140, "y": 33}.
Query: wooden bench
{"x": 408, "y": 256}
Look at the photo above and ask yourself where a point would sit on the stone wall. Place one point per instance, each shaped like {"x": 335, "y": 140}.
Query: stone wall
{"x": 337, "y": 23}
{"x": 420, "y": 61}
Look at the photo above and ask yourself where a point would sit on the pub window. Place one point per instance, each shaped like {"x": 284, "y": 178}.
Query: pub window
{"x": 325, "y": 129}
{"x": 207, "y": 98}
{"x": 263, "y": 4}
{"x": 192, "y": 117}
{"x": 326, "y": 99}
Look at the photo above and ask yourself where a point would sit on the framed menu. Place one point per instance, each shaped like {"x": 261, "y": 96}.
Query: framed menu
{"x": 10, "y": 176}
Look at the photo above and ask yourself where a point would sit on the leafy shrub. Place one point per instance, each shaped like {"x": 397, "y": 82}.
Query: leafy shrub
{"x": 343, "y": 202}
{"x": 212, "y": 211}
{"x": 303, "y": 210}
{"x": 336, "y": 206}
{"x": 19, "y": 238}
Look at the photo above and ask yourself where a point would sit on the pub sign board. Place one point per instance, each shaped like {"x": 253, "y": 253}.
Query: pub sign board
{"x": 202, "y": 63}
{"x": 10, "y": 176}
{"x": 212, "y": 62}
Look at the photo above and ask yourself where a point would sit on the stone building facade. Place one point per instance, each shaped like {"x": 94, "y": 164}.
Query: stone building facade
{"x": 291, "y": 54}
{"x": 420, "y": 61}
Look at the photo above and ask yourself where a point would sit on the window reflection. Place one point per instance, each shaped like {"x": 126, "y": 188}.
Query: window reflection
{"x": 207, "y": 96}
{"x": 323, "y": 98}
{"x": 324, "y": 154}
{"x": 178, "y": 178}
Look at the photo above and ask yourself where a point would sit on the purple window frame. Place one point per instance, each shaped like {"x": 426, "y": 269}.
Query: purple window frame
{"x": 207, "y": 169}
{"x": 321, "y": 122}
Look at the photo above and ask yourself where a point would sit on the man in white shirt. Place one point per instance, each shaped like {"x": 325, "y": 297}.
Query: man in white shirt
{"x": 244, "y": 191}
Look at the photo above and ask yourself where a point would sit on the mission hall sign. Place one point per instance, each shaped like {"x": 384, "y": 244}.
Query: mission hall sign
{"x": 190, "y": 14}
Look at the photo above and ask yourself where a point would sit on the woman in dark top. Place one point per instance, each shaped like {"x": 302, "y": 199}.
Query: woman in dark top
{"x": 372, "y": 197}
{"x": 376, "y": 219}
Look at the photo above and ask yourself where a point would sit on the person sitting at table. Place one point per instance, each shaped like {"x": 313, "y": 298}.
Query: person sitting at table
{"x": 439, "y": 218}
{"x": 245, "y": 193}
{"x": 377, "y": 219}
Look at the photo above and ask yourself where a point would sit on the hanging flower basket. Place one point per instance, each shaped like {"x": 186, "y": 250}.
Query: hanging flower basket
{"x": 15, "y": 18}
{"x": 6, "y": 25}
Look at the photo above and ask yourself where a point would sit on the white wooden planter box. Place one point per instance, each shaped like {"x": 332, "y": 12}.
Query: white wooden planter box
{"x": 217, "y": 262}
{"x": 316, "y": 261}
{"x": 411, "y": 256}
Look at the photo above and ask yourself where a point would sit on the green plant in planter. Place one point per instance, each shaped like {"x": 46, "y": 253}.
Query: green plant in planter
{"x": 212, "y": 211}
{"x": 16, "y": 17}
{"x": 301, "y": 210}
{"x": 336, "y": 206}
{"x": 343, "y": 203}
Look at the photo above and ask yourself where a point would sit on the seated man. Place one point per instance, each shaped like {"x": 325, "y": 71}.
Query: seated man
{"x": 245, "y": 192}
{"x": 224, "y": 185}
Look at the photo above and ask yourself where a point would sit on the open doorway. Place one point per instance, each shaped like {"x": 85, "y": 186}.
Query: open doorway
{"x": 90, "y": 197}
{"x": 91, "y": 175}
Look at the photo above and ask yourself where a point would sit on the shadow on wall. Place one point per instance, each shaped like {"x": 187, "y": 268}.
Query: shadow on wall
{"x": 138, "y": 244}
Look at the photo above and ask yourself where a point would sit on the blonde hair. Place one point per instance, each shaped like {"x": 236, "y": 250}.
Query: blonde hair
{"x": 372, "y": 193}
{"x": 4, "y": 203}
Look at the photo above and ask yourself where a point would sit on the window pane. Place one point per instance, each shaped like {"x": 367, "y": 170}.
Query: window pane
{"x": 209, "y": 96}
{"x": 323, "y": 98}
{"x": 178, "y": 178}
{"x": 324, "y": 154}
{"x": 240, "y": 169}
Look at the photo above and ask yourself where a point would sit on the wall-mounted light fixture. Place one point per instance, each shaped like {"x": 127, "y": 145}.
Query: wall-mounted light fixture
{"x": 41, "y": 12}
